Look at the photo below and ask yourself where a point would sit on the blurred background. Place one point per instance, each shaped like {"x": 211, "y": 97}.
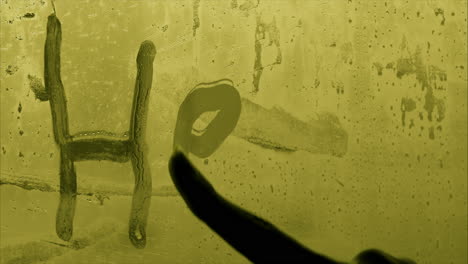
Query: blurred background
{"x": 352, "y": 134}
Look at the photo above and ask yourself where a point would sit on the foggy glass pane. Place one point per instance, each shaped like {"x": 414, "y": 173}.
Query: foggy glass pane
{"x": 342, "y": 123}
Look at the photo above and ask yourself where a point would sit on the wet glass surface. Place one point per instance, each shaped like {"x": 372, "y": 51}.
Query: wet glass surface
{"x": 352, "y": 131}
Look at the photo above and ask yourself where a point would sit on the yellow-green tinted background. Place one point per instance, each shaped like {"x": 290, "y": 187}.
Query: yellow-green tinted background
{"x": 400, "y": 186}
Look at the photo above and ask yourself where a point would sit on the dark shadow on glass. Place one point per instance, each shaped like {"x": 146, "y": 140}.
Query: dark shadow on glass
{"x": 255, "y": 238}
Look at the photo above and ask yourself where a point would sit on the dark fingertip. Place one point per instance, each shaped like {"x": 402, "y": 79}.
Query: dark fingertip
{"x": 187, "y": 179}
{"x": 178, "y": 159}
{"x": 178, "y": 154}
{"x": 180, "y": 168}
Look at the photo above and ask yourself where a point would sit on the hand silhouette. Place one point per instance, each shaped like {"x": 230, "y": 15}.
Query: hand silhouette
{"x": 255, "y": 238}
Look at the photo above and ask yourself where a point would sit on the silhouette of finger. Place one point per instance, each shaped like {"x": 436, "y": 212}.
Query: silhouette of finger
{"x": 255, "y": 238}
